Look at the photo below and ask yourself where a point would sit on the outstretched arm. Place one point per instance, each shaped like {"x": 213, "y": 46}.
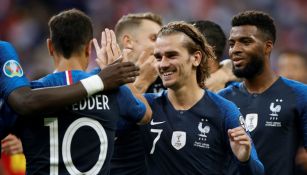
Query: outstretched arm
{"x": 26, "y": 101}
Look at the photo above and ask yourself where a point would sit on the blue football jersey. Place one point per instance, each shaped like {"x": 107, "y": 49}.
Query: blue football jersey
{"x": 193, "y": 141}
{"x": 276, "y": 120}
{"x": 11, "y": 78}
{"x": 79, "y": 138}
{"x": 129, "y": 154}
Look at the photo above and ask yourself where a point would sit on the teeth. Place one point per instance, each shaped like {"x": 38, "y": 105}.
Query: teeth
{"x": 167, "y": 73}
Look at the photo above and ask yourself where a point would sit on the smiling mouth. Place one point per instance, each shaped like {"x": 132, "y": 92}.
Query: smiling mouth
{"x": 238, "y": 62}
{"x": 167, "y": 75}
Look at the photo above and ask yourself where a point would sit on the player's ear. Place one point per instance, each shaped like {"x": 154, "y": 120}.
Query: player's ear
{"x": 88, "y": 48}
{"x": 127, "y": 42}
{"x": 268, "y": 47}
{"x": 196, "y": 58}
{"x": 50, "y": 47}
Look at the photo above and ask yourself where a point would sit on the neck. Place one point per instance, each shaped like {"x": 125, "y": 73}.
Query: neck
{"x": 185, "y": 97}
{"x": 72, "y": 63}
{"x": 261, "y": 82}
{"x": 213, "y": 66}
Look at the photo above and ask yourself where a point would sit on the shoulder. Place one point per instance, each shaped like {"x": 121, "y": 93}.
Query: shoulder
{"x": 7, "y": 52}
{"x": 300, "y": 93}
{"x": 226, "y": 107}
{"x": 46, "y": 81}
{"x": 297, "y": 87}
{"x": 59, "y": 79}
{"x": 219, "y": 100}
{"x": 229, "y": 89}
{"x": 152, "y": 97}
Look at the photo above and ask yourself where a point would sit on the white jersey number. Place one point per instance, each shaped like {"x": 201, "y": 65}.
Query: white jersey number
{"x": 158, "y": 131}
{"x": 52, "y": 123}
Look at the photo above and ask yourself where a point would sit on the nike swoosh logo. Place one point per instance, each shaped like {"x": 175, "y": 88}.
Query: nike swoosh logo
{"x": 156, "y": 123}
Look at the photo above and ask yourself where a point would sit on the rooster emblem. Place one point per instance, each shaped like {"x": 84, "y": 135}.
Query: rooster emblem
{"x": 275, "y": 109}
{"x": 203, "y": 130}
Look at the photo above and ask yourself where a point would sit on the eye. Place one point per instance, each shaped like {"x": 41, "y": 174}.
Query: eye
{"x": 153, "y": 38}
{"x": 158, "y": 57}
{"x": 231, "y": 44}
{"x": 247, "y": 42}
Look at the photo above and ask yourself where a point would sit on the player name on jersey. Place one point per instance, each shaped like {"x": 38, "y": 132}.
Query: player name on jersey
{"x": 98, "y": 102}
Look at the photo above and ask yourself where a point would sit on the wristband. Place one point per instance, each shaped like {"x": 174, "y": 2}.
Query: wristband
{"x": 92, "y": 85}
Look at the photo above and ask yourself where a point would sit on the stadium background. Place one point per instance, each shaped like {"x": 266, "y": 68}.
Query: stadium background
{"x": 24, "y": 22}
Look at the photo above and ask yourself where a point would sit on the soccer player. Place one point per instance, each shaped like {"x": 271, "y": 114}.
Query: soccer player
{"x": 15, "y": 88}
{"x": 192, "y": 130}
{"x": 275, "y": 108}
{"x": 78, "y": 139}
{"x": 135, "y": 32}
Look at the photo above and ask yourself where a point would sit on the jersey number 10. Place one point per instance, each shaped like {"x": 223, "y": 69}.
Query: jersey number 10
{"x": 52, "y": 123}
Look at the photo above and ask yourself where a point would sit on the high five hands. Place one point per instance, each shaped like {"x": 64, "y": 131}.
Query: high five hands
{"x": 115, "y": 71}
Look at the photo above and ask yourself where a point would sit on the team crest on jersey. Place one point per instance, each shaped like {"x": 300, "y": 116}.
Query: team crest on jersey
{"x": 251, "y": 121}
{"x": 12, "y": 69}
{"x": 275, "y": 109}
{"x": 204, "y": 130}
{"x": 179, "y": 139}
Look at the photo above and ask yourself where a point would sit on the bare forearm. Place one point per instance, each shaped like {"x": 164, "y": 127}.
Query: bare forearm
{"x": 141, "y": 86}
{"x": 26, "y": 101}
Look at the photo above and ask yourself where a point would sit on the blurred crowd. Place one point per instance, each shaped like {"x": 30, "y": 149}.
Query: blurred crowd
{"x": 24, "y": 22}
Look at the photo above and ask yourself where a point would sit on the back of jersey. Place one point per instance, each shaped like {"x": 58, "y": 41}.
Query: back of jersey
{"x": 76, "y": 140}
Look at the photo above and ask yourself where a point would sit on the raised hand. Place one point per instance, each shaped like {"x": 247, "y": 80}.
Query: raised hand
{"x": 109, "y": 50}
{"x": 114, "y": 71}
{"x": 240, "y": 143}
{"x": 148, "y": 73}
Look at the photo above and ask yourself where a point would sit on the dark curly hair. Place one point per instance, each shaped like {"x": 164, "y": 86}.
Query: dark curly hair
{"x": 261, "y": 20}
{"x": 197, "y": 42}
{"x": 70, "y": 30}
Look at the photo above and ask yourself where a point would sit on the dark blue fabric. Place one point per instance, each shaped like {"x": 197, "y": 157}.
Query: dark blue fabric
{"x": 276, "y": 120}
{"x": 193, "y": 141}
{"x": 90, "y": 124}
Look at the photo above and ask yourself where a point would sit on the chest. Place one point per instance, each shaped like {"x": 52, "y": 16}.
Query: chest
{"x": 268, "y": 113}
{"x": 186, "y": 130}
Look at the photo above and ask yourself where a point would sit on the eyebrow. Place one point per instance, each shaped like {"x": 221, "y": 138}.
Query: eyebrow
{"x": 241, "y": 38}
{"x": 167, "y": 53}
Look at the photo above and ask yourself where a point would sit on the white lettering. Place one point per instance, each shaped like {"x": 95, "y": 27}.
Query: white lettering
{"x": 75, "y": 107}
{"x": 82, "y": 104}
{"x": 91, "y": 102}
{"x": 105, "y": 102}
{"x": 98, "y": 102}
